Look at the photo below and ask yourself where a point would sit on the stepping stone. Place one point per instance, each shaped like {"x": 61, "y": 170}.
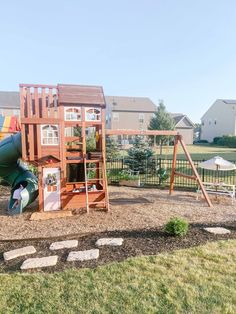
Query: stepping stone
{"x": 217, "y": 230}
{"x": 83, "y": 255}
{"x": 39, "y": 262}
{"x": 68, "y": 244}
{"x": 18, "y": 252}
{"x": 109, "y": 241}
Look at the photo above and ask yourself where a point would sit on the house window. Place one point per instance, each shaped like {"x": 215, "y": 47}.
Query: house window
{"x": 93, "y": 114}
{"x": 115, "y": 116}
{"x": 72, "y": 113}
{"x": 202, "y": 123}
{"x": 49, "y": 134}
{"x": 215, "y": 121}
{"x": 141, "y": 118}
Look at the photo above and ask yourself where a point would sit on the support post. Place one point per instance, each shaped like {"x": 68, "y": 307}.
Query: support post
{"x": 195, "y": 172}
{"x": 172, "y": 179}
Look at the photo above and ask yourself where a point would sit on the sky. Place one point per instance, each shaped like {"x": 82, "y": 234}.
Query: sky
{"x": 180, "y": 51}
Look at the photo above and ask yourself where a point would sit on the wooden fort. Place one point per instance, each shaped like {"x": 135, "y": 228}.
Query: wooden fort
{"x": 63, "y": 135}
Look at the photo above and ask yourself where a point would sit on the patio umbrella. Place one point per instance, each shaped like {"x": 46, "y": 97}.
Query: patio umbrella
{"x": 217, "y": 163}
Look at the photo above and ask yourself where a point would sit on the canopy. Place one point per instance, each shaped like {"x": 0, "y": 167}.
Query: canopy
{"x": 217, "y": 163}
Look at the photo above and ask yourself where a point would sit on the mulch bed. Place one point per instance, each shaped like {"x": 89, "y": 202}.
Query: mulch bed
{"x": 136, "y": 243}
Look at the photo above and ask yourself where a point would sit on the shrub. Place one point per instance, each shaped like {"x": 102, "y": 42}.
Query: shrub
{"x": 201, "y": 142}
{"x": 177, "y": 227}
{"x": 216, "y": 140}
{"x": 226, "y": 140}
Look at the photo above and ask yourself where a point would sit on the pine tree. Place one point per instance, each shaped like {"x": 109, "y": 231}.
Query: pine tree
{"x": 161, "y": 121}
{"x": 112, "y": 149}
{"x": 140, "y": 155}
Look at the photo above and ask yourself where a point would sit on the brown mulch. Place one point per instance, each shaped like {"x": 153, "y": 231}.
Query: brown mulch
{"x": 136, "y": 243}
{"x": 131, "y": 209}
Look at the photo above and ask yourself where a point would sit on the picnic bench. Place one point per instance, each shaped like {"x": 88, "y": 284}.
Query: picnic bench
{"x": 219, "y": 188}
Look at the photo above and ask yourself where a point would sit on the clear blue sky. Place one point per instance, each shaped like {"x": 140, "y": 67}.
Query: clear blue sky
{"x": 181, "y": 51}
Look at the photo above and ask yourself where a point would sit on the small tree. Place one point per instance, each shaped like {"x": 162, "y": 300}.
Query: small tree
{"x": 139, "y": 155}
{"x": 162, "y": 120}
{"x": 112, "y": 149}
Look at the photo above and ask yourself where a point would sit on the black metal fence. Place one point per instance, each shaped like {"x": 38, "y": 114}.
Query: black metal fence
{"x": 150, "y": 176}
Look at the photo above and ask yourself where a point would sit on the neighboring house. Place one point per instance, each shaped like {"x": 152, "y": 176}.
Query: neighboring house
{"x": 219, "y": 120}
{"x": 9, "y": 104}
{"x": 9, "y": 113}
{"x": 135, "y": 113}
{"x": 184, "y": 126}
{"x": 129, "y": 113}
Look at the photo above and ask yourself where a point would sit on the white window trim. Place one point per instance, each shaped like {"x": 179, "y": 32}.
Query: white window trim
{"x": 73, "y": 107}
{"x": 97, "y": 114}
{"x": 42, "y": 138}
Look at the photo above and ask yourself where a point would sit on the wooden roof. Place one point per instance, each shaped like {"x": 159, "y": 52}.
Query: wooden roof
{"x": 80, "y": 94}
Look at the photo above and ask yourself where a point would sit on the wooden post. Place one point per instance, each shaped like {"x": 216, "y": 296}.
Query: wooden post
{"x": 172, "y": 179}
{"x": 195, "y": 172}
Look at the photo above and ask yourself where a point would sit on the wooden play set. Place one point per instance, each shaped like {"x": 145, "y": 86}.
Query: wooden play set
{"x": 56, "y": 122}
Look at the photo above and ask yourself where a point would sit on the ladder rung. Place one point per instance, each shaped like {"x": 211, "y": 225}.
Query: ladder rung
{"x": 102, "y": 202}
{"x": 96, "y": 191}
{"x": 95, "y": 179}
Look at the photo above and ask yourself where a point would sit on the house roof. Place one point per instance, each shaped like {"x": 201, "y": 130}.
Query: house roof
{"x": 178, "y": 117}
{"x": 10, "y": 100}
{"x": 224, "y": 101}
{"x": 136, "y": 104}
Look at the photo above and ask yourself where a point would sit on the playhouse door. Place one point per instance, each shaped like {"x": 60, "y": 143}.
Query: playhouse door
{"x": 51, "y": 180}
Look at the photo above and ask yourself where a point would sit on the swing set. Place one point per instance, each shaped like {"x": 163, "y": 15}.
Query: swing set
{"x": 177, "y": 140}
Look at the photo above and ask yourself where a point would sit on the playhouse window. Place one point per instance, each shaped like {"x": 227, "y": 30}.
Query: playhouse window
{"x": 49, "y": 134}
{"x": 72, "y": 114}
{"x": 93, "y": 114}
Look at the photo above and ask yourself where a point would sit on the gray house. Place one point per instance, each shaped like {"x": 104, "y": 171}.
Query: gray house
{"x": 184, "y": 126}
{"x": 219, "y": 120}
{"x": 9, "y": 103}
{"x": 135, "y": 113}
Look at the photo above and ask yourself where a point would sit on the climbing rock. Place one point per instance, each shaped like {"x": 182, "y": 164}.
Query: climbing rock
{"x": 83, "y": 255}
{"x": 19, "y": 252}
{"x": 68, "y": 244}
{"x": 39, "y": 262}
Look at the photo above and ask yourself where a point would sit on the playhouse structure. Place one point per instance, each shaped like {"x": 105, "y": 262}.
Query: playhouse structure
{"x": 63, "y": 135}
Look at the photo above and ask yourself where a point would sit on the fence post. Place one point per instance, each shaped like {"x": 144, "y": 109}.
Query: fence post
{"x": 160, "y": 181}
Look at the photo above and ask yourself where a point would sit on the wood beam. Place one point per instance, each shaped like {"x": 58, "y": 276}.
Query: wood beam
{"x": 206, "y": 196}
{"x": 147, "y": 132}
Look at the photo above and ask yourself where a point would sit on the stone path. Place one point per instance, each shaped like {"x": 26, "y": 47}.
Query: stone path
{"x": 19, "y": 252}
{"x": 39, "y": 262}
{"x": 217, "y": 230}
{"x": 68, "y": 244}
{"x": 109, "y": 241}
{"x": 83, "y": 255}
{"x": 48, "y": 261}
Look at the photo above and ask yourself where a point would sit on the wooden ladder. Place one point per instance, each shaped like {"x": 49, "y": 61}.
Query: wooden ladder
{"x": 103, "y": 179}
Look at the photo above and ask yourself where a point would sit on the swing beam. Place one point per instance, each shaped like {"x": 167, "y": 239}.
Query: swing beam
{"x": 178, "y": 140}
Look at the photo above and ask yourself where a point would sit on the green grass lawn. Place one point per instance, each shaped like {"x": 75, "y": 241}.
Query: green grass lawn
{"x": 196, "y": 280}
{"x": 200, "y": 152}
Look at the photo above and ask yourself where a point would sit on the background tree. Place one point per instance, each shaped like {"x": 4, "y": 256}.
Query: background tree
{"x": 112, "y": 149}
{"x": 197, "y": 131}
{"x": 140, "y": 155}
{"x": 162, "y": 120}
